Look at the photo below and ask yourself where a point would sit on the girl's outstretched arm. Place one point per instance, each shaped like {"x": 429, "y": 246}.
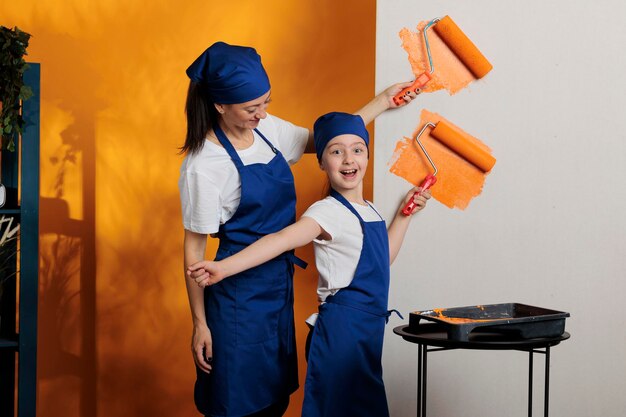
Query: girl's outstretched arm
{"x": 268, "y": 247}
{"x": 400, "y": 223}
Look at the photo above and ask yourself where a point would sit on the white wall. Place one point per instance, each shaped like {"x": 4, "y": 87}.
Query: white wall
{"x": 549, "y": 228}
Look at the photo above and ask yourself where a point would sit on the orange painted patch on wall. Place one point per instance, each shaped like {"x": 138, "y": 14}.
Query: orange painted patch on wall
{"x": 458, "y": 180}
{"x": 450, "y": 73}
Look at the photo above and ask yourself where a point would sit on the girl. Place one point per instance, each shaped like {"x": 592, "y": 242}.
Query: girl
{"x": 353, "y": 251}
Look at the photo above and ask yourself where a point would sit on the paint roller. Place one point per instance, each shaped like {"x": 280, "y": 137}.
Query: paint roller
{"x": 458, "y": 43}
{"x": 470, "y": 151}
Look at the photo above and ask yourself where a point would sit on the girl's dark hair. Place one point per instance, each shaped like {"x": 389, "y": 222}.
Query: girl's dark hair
{"x": 201, "y": 115}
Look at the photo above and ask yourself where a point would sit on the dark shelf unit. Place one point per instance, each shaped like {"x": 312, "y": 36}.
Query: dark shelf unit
{"x": 18, "y": 333}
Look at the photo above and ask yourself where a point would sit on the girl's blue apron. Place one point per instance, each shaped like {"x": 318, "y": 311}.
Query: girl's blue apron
{"x": 250, "y": 314}
{"x": 344, "y": 375}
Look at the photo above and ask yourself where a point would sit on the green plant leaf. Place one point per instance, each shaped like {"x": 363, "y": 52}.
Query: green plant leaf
{"x": 13, "y": 92}
{"x": 25, "y": 92}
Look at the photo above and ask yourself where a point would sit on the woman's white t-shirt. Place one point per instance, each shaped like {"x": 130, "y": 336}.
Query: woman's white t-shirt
{"x": 209, "y": 183}
{"x": 336, "y": 259}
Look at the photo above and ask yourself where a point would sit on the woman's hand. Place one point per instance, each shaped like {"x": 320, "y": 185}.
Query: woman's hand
{"x": 206, "y": 273}
{"x": 202, "y": 347}
{"x": 420, "y": 198}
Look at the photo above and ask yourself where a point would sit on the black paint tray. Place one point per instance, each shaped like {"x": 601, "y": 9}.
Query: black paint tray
{"x": 513, "y": 319}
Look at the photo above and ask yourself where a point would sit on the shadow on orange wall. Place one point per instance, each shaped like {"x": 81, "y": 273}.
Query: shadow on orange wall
{"x": 67, "y": 308}
{"x": 114, "y": 321}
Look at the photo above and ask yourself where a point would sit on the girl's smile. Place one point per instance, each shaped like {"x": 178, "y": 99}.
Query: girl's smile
{"x": 349, "y": 173}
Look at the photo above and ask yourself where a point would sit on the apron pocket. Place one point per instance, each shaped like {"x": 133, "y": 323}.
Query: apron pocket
{"x": 261, "y": 297}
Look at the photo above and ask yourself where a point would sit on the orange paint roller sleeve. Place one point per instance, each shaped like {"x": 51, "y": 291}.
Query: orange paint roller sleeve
{"x": 470, "y": 151}
{"x": 462, "y": 47}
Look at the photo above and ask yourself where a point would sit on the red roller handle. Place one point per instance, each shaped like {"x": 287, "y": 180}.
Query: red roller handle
{"x": 428, "y": 182}
{"x": 420, "y": 82}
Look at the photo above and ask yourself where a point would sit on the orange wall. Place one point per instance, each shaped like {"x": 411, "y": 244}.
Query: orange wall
{"x": 114, "y": 321}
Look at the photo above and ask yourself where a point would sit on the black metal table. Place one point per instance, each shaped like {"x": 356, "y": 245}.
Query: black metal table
{"x": 425, "y": 335}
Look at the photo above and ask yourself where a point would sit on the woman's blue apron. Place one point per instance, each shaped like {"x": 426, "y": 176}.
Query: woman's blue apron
{"x": 344, "y": 375}
{"x": 250, "y": 314}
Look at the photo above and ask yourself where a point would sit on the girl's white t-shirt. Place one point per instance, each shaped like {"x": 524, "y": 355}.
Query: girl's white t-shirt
{"x": 209, "y": 183}
{"x": 336, "y": 259}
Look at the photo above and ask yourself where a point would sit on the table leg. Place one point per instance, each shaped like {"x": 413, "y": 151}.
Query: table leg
{"x": 546, "y": 393}
{"x": 530, "y": 383}
{"x": 547, "y": 384}
{"x": 424, "y": 380}
{"x": 419, "y": 379}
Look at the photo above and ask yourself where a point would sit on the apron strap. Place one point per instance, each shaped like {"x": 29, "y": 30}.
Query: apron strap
{"x": 389, "y": 314}
{"x": 230, "y": 149}
{"x": 349, "y": 206}
{"x": 267, "y": 141}
{"x": 378, "y": 313}
{"x": 345, "y": 202}
{"x": 295, "y": 260}
{"x": 375, "y": 211}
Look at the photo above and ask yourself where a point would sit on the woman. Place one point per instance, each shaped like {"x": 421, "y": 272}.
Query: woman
{"x": 236, "y": 185}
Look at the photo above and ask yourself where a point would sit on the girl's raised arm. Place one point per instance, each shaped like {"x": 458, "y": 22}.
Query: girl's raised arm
{"x": 376, "y": 106}
{"x": 384, "y": 101}
{"x": 268, "y": 247}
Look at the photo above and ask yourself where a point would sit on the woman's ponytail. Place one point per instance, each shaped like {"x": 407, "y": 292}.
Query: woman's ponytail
{"x": 201, "y": 114}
